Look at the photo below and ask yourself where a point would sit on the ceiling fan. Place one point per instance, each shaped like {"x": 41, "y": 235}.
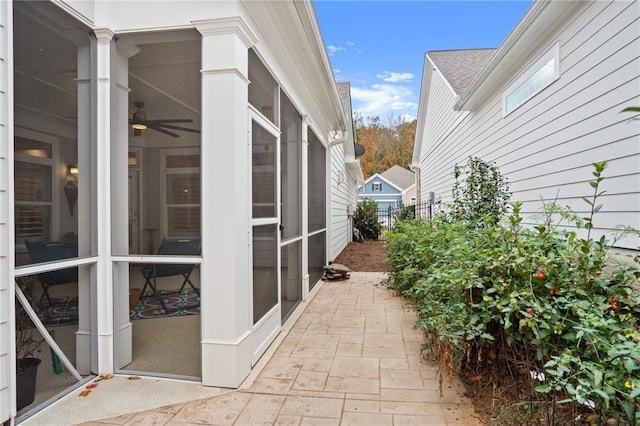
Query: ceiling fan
{"x": 139, "y": 123}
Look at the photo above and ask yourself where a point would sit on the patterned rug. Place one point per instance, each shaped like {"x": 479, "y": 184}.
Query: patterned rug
{"x": 185, "y": 303}
{"x": 64, "y": 310}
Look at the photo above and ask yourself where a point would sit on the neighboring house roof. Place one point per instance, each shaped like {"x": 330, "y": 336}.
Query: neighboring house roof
{"x": 460, "y": 67}
{"x": 397, "y": 177}
{"x": 543, "y": 17}
{"x": 400, "y": 177}
{"x": 378, "y": 176}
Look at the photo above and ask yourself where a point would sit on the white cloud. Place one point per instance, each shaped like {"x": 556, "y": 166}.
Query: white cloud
{"x": 333, "y": 49}
{"x": 382, "y": 99}
{"x": 336, "y": 71}
{"x": 395, "y": 77}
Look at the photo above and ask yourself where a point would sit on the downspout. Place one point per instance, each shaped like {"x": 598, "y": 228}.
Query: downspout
{"x": 345, "y": 134}
{"x": 416, "y": 169}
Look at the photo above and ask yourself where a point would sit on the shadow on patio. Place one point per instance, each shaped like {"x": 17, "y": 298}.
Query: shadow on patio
{"x": 351, "y": 357}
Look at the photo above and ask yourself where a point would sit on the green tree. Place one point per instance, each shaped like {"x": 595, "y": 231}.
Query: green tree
{"x": 385, "y": 145}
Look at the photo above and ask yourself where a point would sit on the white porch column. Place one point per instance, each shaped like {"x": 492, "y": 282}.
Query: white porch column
{"x": 123, "y": 328}
{"x": 104, "y": 273}
{"x": 305, "y": 205}
{"x": 225, "y": 283}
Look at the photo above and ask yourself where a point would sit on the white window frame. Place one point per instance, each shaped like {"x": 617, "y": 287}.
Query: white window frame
{"x": 377, "y": 186}
{"x": 54, "y": 226}
{"x": 164, "y": 170}
{"x": 553, "y": 54}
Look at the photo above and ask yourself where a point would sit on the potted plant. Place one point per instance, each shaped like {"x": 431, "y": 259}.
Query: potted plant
{"x": 28, "y": 342}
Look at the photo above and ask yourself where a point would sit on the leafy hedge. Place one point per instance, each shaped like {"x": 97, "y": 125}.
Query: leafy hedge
{"x": 365, "y": 219}
{"x": 540, "y": 302}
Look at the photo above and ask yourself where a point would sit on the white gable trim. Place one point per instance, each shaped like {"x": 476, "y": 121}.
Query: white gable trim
{"x": 542, "y": 18}
{"x": 427, "y": 69}
{"x": 387, "y": 181}
{"x": 409, "y": 188}
{"x": 435, "y": 68}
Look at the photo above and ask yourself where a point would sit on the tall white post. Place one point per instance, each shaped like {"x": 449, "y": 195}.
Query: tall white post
{"x": 123, "y": 337}
{"x": 104, "y": 290}
{"x": 304, "y": 176}
{"x": 225, "y": 283}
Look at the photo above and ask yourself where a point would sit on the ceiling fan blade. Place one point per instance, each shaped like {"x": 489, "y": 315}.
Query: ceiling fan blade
{"x": 166, "y": 132}
{"x": 169, "y": 126}
{"x": 169, "y": 120}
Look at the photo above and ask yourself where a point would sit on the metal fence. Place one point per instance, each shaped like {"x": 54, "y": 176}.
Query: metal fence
{"x": 388, "y": 216}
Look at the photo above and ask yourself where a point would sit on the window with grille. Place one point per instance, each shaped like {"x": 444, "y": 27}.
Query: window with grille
{"x": 183, "y": 195}
{"x": 33, "y": 181}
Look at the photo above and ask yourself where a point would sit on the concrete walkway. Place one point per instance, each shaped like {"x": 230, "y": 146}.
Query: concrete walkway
{"x": 351, "y": 358}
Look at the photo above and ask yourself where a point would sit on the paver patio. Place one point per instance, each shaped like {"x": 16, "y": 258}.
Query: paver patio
{"x": 351, "y": 358}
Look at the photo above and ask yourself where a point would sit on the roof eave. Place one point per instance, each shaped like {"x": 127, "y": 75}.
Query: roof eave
{"x": 422, "y": 113}
{"x": 356, "y": 169}
{"x": 306, "y": 10}
{"x": 313, "y": 76}
{"x": 541, "y": 18}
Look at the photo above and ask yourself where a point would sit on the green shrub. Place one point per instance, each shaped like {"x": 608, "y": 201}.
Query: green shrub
{"x": 534, "y": 301}
{"x": 407, "y": 212}
{"x": 480, "y": 193}
{"x": 365, "y": 219}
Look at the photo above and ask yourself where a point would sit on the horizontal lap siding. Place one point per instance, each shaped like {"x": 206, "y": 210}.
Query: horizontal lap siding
{"x": 339, "y": 201}
{"x": 6, "y": 294}
{"x": 546, "y": 146}
{"x": 440, "y": 118}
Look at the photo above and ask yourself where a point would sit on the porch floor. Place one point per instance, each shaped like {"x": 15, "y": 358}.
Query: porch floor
{"x": 350, "y": 357}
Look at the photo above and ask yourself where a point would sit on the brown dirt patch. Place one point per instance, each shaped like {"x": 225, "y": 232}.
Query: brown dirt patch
{"x": 369, "y": 256}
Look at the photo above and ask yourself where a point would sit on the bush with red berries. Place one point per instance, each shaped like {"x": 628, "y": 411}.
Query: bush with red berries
{"x": 545, "y": 302}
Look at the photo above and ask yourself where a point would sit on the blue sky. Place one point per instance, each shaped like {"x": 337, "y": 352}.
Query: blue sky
{"x": 379, "y": 46}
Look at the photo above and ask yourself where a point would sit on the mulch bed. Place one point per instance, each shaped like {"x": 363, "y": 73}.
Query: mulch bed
{"x": 368, "y": 256}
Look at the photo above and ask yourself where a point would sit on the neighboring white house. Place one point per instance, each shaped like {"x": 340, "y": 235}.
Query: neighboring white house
{"x": 544, "y": 106}
{"x": 346, "y": 177}
{"x": 127, "y": 125}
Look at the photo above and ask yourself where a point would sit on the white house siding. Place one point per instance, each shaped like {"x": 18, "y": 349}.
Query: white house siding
{"x": 353, "y": 181}
{"x": 439, "y": 120}
{"x": 546, "y": 147}
{"x": 340, "y": 196}
{"x": 6, "y": 234}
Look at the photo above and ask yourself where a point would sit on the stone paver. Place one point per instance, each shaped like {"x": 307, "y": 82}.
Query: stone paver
{"x": 351, "y": 358}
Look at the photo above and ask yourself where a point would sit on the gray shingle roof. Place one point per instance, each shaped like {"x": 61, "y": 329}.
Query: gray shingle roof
{"x": 399, "y": 176}
{"x": 460, "y": 67}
